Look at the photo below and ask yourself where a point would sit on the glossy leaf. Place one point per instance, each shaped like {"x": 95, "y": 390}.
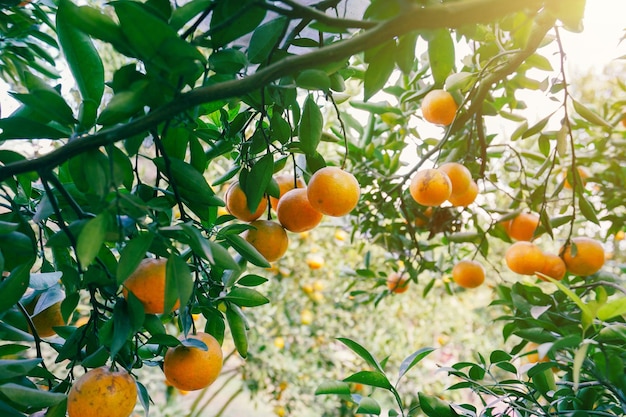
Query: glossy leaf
{"x": 237, "y": 325}
{"x": 246, "y": 297}
{"x": 368, "y": 405}
{"x": 264, "y": 39}
{"x": 379, "y": 69}
{"x": 222, "y": 257}
{"x": 412, "y": 360}
{"x": 258, "y": 179}
{"x": 252, "y": 280}
{"x": 12, "y": 368}
{"x": 245, "y": 249}
{"x": 232, "y": 20}
{"x": 92, "y": 237}
{"x": 434, "y": 407}
{"x": 333, "y": 387}
{"x": 362, "y": 352}
{"x": 178, "y": 282}
{"x": 441, "y": 55}
{"x": 31, "y": 397}
{"x": 590, "y": 115}
{"x": 371, "y": 378}
{"x": 84, "y": 63}
{"x": 191, "y": 184}
{"x": 132, "y": 255}
{"x": 405, "y": 53}
{"x": 228, "y": 61}
{"x": 612, "y": 309}
{"x": 310, "y": 127}
{"x": 14, "y": 286}
{"x": 313, "y": 79}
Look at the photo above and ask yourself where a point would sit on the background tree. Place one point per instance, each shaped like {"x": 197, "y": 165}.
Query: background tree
{"x": 211, "y": 92}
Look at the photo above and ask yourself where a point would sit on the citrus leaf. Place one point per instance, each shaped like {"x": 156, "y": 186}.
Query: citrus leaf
{"x": 412, "y": 360}
{"x": 191, "y": 184}
{"x": 252, "y": 280}
{"x": 362, "y": 352}
{"x": 371, "y": 378}
{"x": 310, "y": 127}
{"x": 612, "y": 309}
{"x": 228, "y": 61}
{"x": 441, "y": 55}
{"x": 587, "y": 209}
{"x": 245, "y": 249}
{"x": 258, "y": 179}
{"x": 434, "y": 407}
{"x": 368, "y": 405}
{"x": 222, "y": 257}
{"x": 12, "y": 368}
{"x": 132, "y": 254}
{"x": 379, "y": 69}
{"x": 405, "y": 54}
{"x": 237, "y": 325}
{"x": 91, "y": 238}
{"x": 333, "y": 387}
{"x": 19, "y": 127}
{"x": 246, "y": 297}
{"x": 31, "y": 397}
{"x": 243, "y": 17}
{"x": 264, "y": 39}
{"x": 178, "y": 282}
{"x": 589, "y": 115}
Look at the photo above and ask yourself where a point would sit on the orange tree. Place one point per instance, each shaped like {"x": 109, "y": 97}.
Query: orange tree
{"x": 138, "y": 149}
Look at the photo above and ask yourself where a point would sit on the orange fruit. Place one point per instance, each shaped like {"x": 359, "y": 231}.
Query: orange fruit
{"x": 237, "y": 204}
{"x": 333, "y": 191}
{"x": 619, "y": 235}
{"x": 306, "y": 317}
{"x": 102, "y": 392}
{"x": 439, "y": 107}
{"x": 587, "y": 259}
{"x": 525, "y": 258}
{"x": 523, "y": 226}
{"x": 191, "y": 368}
{"x": 430, "y": 187}
{"x": 583, "y": 173}
{"x": 459, "y": 175}
{"x": 315, "y": 261}
{"x": 397, "y": 283}
{"x": 45, "y": 320}
{"x": 285, "y": 183}
{"x": 295, "y": 212}
{"x": 466, "y": 198}
{"x": 426, "y": 215}
{"x": 468, "y": 273}
{"x": 269, "y": 238}
{"x": 554, "y": 267}
{"x": 147, "y": 283}
{"x": 533, "y": 355}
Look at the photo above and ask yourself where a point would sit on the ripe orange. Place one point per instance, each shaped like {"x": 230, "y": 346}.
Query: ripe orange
{"x": 439, "y": 107}
{"x": 533, "y": 356}
{"x": 523, "y": 226}
{"x": 333, "y": 191}
{"x": 554, "y": 267}
{"x": 588, "y": 257}
{"x": 104, "y": 393}
{"x": 269, "y": 238}
{"x": 45, "y": 320}
{"x": 191, "y": 368}
{"x": 147, "y": 283}
{"x": 430, "y": 187}
{"x": 285, "y": 183}
{"x": 583, "y": 173}
{"x": 237, "y": 204}
{"x": 466, "y": 198}
{"x": 459, "y": 175}
{"x": 525, "y": 258}
{"x": 315, "y": 261}
{"x": 295, "y": 213}
{"x": 468, "y": 273}
{"x": 397, "y": 283}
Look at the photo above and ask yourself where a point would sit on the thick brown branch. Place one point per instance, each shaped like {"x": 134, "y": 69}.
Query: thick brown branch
{"x": 450, "y": 15}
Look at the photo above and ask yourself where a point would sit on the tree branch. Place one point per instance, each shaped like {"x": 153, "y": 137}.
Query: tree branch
{"x": 450, "y": 15}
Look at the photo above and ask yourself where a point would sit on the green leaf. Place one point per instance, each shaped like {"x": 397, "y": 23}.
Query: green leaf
{"x": 237, "y": 325}
{"x": 587, "y": 209}
{"x": 122, "y": 329}
{"x": 589, "y": 115}
{"x": 413, "y": 359}
{"x": 198, "y": 243}
{"x": 17, "y": 249}
{"x": 580, "y": 303}
{"x": 258, "y": 179}
{"x": 50, "y": 103}
{"x": 91, "y": 238}
{"x": 132, "y": 254}
{"x": 231, "y": 20}
{"x": 264, "y": 39}
{"x": 434, "y": 407}
{"x": 612, "y": 309}
{"x": 178, "y": 282}
{"x": 246, "y": 297}
{"x": 579, "y": 358}
{"x": 31, "y": 397}
{"x": 191, "y": 184}
{"x": 379, "y": 69}
{"x": 228, "y": 61}
{"x": 183, "y": 14}
{"x": 371, "y": 378}
{"x": 313, "y": 79}
{"x": 368, "y": 405}
{"x": 14, "y": 286}
{"x": 97, "y": 24}
{"x": 245, "y": 249}
{"x": 537, "y": 127}
{"x": 441, "y": 55}
{"x": 222, "y": 257}
{"x": 362, "y": 352}
{"x": 405, "y": 52}
{"x": 310, "y": 127}
{"x": 122, "y": 106}
{"x": 13, "y": 368}
{"x": 25, "y": 128}
{"x": 252, "y": 280}
{"x": 333, "y": 387}
{"x": 84, "y": 63}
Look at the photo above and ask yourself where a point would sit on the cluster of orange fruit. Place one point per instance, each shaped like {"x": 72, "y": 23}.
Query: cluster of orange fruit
{"x": 581, "y": 256}
{"x": 299, "y": 208}
{"x": 105, "y": 391}
{"x": 449, "y": 182}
